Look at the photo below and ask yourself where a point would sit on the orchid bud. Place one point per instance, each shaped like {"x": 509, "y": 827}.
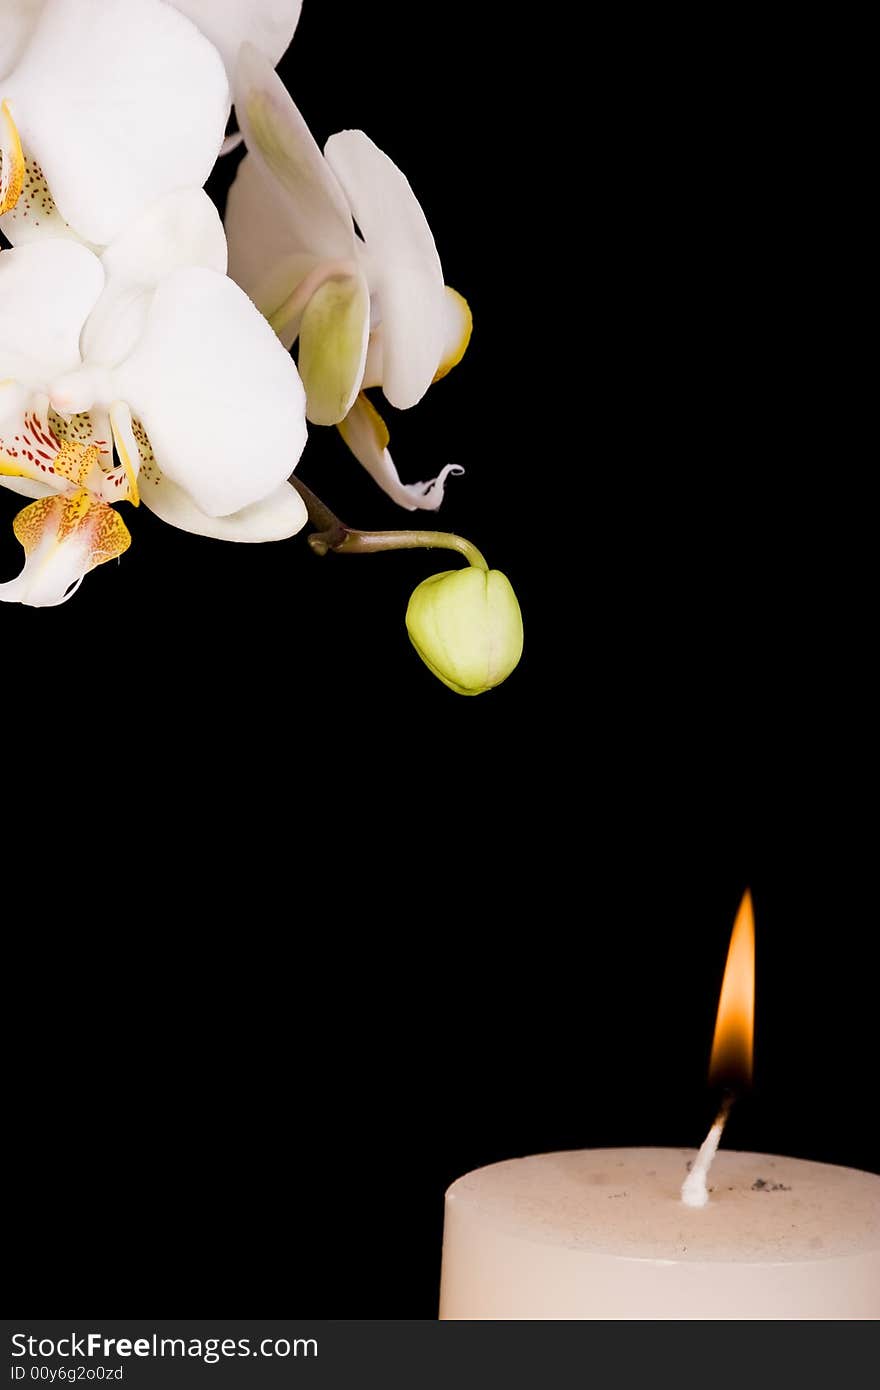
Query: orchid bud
{"x": 467, "y": 627}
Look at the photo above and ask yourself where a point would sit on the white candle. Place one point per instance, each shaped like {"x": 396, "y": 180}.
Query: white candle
{"x": 627, "y": 1233}
{"x": 603, "y": 1233}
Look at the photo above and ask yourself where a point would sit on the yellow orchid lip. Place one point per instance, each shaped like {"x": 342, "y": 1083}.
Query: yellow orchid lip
{"x": 12, "y": 172}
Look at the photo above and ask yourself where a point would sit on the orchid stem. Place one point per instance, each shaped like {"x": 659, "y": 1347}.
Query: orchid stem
{"x": 320, "y": 514}
{"x": 369, "y": 542}
{"x": 333, "y": 534}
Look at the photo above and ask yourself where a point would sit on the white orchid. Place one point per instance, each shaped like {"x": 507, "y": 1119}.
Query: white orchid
{"x": 368, "y": 310}
{"x": 152, "y": 348}
{"x": 88, "y": 139}
{"x": 107, "y": 104}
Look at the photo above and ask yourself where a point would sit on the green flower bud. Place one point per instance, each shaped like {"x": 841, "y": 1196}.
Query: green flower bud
{"x": 466, "y": 626}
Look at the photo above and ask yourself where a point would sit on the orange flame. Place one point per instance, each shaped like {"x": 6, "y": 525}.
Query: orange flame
{"x": 731, "y": 1062}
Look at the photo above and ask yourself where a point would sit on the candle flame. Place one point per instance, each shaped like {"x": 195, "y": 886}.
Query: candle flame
{"x": 731, "y": 1062}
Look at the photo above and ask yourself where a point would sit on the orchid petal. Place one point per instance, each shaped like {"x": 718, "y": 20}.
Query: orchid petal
{"x": 112, "y": 135}
{"x": 112, "y": 331}
{"x": 374, "y": 363}
{"x": 14, "y": 398}
{"x": 263, "y": 256}
{"x": 406, "y": 275}
{"x": 47, "y": 290}
{"x": 269, "y": 24}
{"x": 64, "y": 537}
{"x": 280, "y": 514}
{"x": 333, "y": 348}
{"x": 17, "y": 20}
{"x": 219, "y": 397}
{"x": 459, "y": 325}
{"x": 273, "y": 518}
{"x": 366, "y": 435}
{"x": 316, "y": 213}
{"x": 181, "y": 229}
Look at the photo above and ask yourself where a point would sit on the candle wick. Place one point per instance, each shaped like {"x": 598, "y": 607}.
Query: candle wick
{"x": 694, "y": 1192}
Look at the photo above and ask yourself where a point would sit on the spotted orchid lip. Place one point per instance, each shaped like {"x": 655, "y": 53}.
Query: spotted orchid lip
{"x": 65, "y": 454}
{"x": 74, "y": 528}
{"x": 64, "y": 537}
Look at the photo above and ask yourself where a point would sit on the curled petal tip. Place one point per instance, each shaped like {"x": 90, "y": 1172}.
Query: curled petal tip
{"x": 433, "y": 492}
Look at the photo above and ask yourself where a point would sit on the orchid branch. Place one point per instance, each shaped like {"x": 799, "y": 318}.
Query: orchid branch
{"x": 333, "y": 534}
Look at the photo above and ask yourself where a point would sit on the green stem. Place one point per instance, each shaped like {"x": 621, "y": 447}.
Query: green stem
{"x": 370, "y": 542}
{"x": 333, "y": 534}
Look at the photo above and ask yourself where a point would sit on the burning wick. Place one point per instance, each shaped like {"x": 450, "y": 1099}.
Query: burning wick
{"x": 694, "y": 1192}
{"x": 731, "y": 1062}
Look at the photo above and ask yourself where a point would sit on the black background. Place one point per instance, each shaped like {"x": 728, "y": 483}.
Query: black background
{"x": 302, "y": 936}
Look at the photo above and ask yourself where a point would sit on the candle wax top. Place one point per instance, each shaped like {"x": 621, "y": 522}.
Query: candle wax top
{"x": 627, "y": 1202}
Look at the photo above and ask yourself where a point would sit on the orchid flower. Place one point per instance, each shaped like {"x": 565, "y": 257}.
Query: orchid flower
{"x": 110, "y": 104}
{"x": 368, "y": 310}
{"x": 152, "y": 348}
